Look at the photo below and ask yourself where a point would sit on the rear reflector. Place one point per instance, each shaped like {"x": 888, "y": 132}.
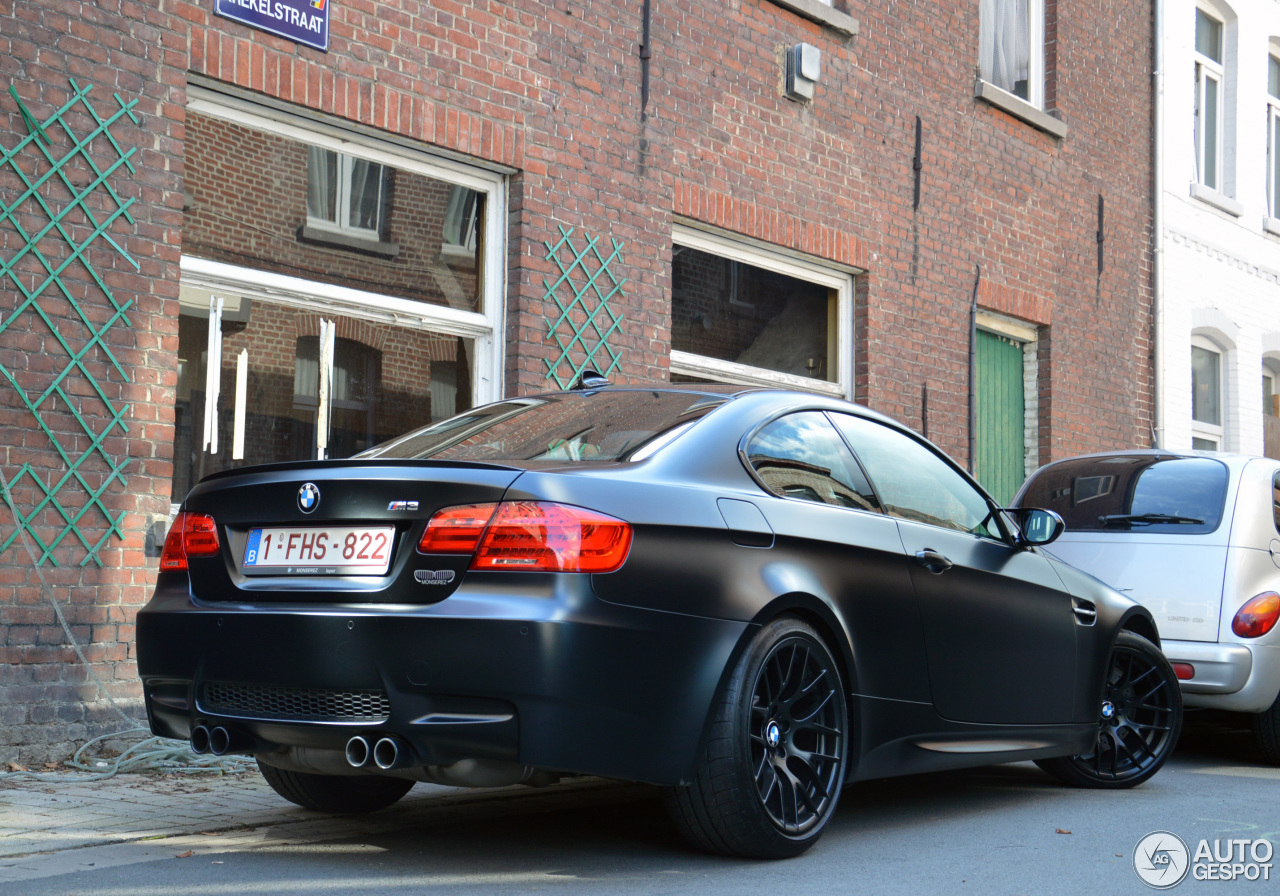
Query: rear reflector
{"x": 1258, "y": 616}
{"x": 1184, "y": 671}
{"x": 534, "y": 536}
{"x": 191, "y": 535}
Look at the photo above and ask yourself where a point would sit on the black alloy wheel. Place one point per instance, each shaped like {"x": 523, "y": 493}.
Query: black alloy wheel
{"x": 770, "y": 773}
{"x": 1139, "y": 720}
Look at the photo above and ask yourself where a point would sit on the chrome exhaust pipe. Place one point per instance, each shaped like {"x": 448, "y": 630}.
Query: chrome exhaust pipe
{"x": 391, "y": 752}
{"x": 357, "y": 752}
{"x": 199, "y": 740}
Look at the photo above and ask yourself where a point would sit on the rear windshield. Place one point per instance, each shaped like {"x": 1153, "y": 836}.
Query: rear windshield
{"x": 609, "y": 425}
{"x": 1139, "y": 493}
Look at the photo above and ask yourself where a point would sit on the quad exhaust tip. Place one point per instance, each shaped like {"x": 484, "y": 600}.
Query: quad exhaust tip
{"x": 200, "y": 740}
{"x": 391, "y": 752}
{"x": 358, "y": 752}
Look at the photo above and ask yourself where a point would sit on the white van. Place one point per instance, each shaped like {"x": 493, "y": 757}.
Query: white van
{"x": 1194, "y": 537}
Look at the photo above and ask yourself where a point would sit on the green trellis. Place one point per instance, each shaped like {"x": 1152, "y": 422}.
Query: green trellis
{"x": 68, "y": 216}
{"x": 585, "y": 321}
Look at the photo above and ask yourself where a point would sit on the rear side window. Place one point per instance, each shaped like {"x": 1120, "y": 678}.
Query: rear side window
{"x": 802, "y": 456}
{"x": 1138, "y": 493}
{"x": 609, "y": 425}
{"x": 914, "y": 482}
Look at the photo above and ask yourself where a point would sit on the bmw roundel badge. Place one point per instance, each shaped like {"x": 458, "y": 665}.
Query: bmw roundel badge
{"x": 308, "y": 497}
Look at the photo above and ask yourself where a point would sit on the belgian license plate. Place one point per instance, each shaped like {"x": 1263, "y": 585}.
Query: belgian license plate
{"x": 320, "y": 550}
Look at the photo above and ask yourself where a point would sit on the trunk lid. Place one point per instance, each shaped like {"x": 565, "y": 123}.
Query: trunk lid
{"x": 374, "y": 512}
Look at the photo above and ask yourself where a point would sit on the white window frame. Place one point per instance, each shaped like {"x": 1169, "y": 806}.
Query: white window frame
{"x": 834, "y": 277}
{"x": 987, "y": 12}
{"x": 484, "y": 328}
{"x": 342, "y": 205}
{"x": 1273, "y": 142}
{"x": 1214, "y": 433}
{"x": 1206, "y": 70}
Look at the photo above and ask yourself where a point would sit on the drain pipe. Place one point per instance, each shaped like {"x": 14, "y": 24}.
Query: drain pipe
{"x": 1157, "y": 227}
{"x": 973, "y": 372}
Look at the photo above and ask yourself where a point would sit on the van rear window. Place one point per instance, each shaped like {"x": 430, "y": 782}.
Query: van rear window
{"x": 1133, "y": 493}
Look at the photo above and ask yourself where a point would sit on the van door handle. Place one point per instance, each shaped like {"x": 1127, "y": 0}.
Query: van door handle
{"x": 933, "y": 561}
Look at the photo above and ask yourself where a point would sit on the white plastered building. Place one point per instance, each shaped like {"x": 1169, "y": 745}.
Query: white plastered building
{"x": 1218, "y": 224}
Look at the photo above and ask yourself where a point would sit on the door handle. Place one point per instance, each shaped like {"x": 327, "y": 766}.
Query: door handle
{"x": 933, "y": 561}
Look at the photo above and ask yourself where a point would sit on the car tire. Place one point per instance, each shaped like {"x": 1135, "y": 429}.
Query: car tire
{"x": 1266, "y": 725}
{"x": 1139, "y": 722}
{"x": 774, "y": 757}
{"x": 338, "y": 794}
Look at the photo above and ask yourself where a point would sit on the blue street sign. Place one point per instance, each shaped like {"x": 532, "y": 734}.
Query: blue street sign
{"x": 303, "y": 21}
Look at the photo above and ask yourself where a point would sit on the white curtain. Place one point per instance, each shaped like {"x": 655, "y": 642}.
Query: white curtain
{"x": 322, "y": 181}
{"x": 366, "y": 194}
{"x": 1004, "y": 51}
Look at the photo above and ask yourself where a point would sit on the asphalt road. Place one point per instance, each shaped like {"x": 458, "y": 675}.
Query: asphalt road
{"x": 997, "y": 830}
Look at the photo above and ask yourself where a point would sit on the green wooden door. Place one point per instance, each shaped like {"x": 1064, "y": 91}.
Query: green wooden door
{"x": 999, "y": 463}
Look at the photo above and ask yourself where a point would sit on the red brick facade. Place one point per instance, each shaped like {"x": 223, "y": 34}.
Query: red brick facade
{"x": 552, "y": 91}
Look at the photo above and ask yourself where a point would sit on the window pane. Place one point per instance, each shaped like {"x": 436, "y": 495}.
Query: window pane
{"x": 1273, "y": 133}
{"x": 1268, "y": 390}
{"x": 264, "y": 216}
{"x": 1005, "y": 44}
{"x": 733, "y": 311}
{"x": 1210, "y": 148}
{"x": 1208, "y": 37}
{"x": 1273, "y": 77}
{"x": 802, "y": 456}
{"x": 1206, "y": 387}
{"x": 1187, "y": 487}
{"x": 912, "y": 481}
{"x": 366, "y": 195}
{"x": 383, "y": 383}
{"x": 322, "y": 184}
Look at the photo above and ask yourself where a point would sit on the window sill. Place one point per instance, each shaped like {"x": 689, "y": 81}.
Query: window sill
{"x": 1271, "y": 226}
{"x": 1219, "y": 201}
{"x": 1020, "y": 109}
{"x": 337, "y": 240}
{"x": 834, "y": 19}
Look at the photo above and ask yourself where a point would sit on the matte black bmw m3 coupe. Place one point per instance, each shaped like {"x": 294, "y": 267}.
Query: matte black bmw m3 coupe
{"x": 748, "y": 596}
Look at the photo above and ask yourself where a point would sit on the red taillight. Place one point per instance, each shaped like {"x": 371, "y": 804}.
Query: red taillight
{"x": 1258, "y": 616}
{"x": 1184, "y": 671}
{"x": 529, "y": 535}
{"x": 191, "y": 535}
{"x": 456, "y": 530}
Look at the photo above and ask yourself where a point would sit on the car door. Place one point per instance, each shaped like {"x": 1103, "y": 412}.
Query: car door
{"x": 834, "y": 542}
{"x": 998, "y": 626}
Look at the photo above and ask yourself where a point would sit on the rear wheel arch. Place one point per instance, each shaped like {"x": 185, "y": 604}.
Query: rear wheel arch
{"x": 817, "y": 613}
{"x": 825, "y": 621}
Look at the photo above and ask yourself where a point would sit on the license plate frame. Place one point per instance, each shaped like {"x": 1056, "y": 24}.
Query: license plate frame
{"x": 318, "y": 550}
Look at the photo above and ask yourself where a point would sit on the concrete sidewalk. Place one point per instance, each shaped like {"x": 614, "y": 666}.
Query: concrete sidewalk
{"x": 65, "y": 822}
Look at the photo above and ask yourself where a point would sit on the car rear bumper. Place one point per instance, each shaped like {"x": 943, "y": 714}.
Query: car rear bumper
{"x": 513, "y": 667}
{"x": 1239, "y": 677}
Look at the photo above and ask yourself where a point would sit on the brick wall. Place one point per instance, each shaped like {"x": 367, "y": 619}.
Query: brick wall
{"x": 552, "y": 90}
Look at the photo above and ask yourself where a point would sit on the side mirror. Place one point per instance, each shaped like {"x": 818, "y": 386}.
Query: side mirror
{"x": 1036, "y": 526}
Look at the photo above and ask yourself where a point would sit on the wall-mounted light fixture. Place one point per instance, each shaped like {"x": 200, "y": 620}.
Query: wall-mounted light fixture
{"x": 804, "y": 70}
